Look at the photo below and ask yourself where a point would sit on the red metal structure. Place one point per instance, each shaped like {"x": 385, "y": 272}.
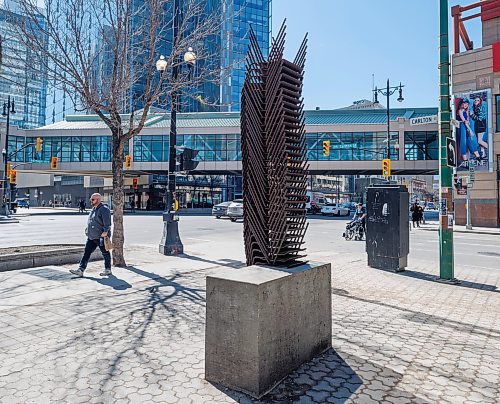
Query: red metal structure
{"x": 488, "y": 9}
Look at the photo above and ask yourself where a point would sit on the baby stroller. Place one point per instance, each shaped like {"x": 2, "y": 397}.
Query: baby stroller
{"x": 354, "y": 230}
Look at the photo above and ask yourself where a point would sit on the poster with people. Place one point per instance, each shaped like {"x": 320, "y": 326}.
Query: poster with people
{"x": 473, "y": 134}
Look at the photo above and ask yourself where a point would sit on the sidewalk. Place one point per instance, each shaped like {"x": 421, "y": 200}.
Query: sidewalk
{"x": 434, "y": 226}
{"x": 139, "y": 336}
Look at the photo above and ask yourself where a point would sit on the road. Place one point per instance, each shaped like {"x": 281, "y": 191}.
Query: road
{"x": 324, "y": 236}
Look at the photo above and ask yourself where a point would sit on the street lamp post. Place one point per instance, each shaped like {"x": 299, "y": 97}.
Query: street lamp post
{"x": 387, "y": 92}
{"x": 171, "y": 243}
{"x": 8, "y": 108}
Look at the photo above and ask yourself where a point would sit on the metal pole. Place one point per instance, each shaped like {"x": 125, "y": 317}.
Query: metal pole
{"x": 6, "y": 183}
{"x": 388, "y": 123}
{"x": 446, "y": 256}
{"x": 469, "y": 219}
{"x": 171, "y": 243}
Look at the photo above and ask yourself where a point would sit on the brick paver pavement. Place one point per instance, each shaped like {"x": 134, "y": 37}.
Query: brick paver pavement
{"x": 397, "y": 338}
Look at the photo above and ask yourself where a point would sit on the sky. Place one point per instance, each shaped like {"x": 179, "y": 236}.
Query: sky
{"x": 351, "y": 40}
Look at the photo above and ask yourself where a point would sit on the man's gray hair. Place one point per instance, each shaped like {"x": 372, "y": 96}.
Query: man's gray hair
{"x": 96, "y": 195}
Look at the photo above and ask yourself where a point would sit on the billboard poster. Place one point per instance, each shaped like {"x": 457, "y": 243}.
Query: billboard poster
{"x": 474, "y": 135}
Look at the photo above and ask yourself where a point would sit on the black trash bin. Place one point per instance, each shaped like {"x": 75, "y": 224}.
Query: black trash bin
{"x": 387, "y": 227}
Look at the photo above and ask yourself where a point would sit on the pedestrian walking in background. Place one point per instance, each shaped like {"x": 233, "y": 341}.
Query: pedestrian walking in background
{"x": 132, "y": 206}
{"x": 415, "y": 215}
{"x": 98, "y": 227}
{"x": 82, "y": 206}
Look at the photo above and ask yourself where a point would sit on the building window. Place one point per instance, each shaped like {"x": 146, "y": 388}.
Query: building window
{"x": 421, "y": 145}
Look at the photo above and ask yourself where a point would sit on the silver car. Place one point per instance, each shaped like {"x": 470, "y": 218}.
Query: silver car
{"x": 220, "y": 209}
{"x": 235, "y": 210}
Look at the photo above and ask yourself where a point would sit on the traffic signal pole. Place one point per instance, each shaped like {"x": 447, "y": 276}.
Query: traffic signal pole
{"x": 446, "y": 257}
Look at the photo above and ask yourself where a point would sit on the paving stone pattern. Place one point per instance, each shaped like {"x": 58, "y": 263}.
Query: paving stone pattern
{"x": 398, "y": 338}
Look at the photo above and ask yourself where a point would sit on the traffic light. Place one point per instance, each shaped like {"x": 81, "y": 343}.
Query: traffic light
{"x": 386, "y": 168}
{"x": 457, "y": 181}
{"x": 128, "y": 161}
{"x": 186, "y": 159}
{"x": 54, "y": 163}
{"x": 38, "y": 146}
{"x": 326, "y": 147}
{"x": 135, "y": 182}
{"x": 9, "y": 169}
{"x": 13, "y": 177}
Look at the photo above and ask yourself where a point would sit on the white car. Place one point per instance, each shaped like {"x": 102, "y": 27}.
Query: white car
{"x": 334, "y": 210}
{"x": 235, "y": 210}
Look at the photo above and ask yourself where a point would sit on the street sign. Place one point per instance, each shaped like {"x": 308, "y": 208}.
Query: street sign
{"x": 472, "y": 175}
{"x": 443, "y": 207}
{"x": 462, "y": 190}
{"x": 424, "y": 120}
{"x": 451, "y": 152}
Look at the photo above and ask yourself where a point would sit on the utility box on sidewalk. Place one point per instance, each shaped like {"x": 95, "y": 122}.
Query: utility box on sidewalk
{"x": 387, "y": 227}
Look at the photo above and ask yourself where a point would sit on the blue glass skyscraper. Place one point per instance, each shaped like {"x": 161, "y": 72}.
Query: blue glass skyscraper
{"x": 21, "y": 76}
{"x": 227, "y": 53}
{"x": 239, "y": 16}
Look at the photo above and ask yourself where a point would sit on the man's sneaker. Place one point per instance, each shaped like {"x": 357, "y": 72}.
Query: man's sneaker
{"x": 78, "y": 272}
{"x": 106, "y": 272}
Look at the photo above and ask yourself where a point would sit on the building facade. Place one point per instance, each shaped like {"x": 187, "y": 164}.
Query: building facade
{"x": 21, "y": 77}
{"x": 476, "y": 76}
{"x": 83, "y": 147}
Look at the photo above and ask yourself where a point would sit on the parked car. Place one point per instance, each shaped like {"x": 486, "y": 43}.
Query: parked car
{"x": 334, "y": 210}
{"x": 235, "y": 210}
{"x": 220, "y": 209}
{"x": 23, "y": 203}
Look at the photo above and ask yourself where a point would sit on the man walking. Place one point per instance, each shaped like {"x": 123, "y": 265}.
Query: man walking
{"x": 98, "y": 227}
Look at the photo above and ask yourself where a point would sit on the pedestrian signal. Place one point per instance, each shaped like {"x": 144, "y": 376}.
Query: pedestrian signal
{"x": 54, "y": 163}
{"x": 386, "y": 168}
{"x": 13, "y": 176}
{"x": 128, "y": 161}
{"x": 134, "y": 183}
{"x": 326, "y": 147}
{"x": 39, "y": 142}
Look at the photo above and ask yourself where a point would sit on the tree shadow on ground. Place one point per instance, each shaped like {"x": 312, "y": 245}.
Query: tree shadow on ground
{"x": 463, "y": 284}
{"x": 151, "y": 309}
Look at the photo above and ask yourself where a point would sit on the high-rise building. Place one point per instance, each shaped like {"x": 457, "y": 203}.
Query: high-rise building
{"x": 226, "y": 52}
{"x": 21, "y": 76}
{"x": 239, "y": 16}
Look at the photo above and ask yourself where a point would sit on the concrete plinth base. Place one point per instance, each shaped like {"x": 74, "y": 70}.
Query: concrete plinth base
{"x": 262, "y": 323}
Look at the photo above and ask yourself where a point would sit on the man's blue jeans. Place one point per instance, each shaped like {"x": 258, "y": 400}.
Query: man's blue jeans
{"x": 90, "y": 247}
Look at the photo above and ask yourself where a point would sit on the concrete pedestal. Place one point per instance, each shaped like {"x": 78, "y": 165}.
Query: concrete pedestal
{"x": 262, "y": 323}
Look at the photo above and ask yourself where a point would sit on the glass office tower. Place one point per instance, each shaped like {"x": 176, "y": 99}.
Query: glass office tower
{"x": 21, "y": 77}
{"x": 229, "y": 49}
{"x": 239, "y": 16}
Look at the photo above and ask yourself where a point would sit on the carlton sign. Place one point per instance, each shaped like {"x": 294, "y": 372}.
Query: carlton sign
{"x": 424, "y": 120}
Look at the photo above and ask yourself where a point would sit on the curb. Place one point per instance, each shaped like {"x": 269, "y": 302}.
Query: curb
{"x": 57, "y": 256}
{"x": 8, "y": 221}
{"x": 489, "y": 233}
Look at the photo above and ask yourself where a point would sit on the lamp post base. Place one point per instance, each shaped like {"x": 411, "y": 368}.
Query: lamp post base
{"x": 171, "y": 243}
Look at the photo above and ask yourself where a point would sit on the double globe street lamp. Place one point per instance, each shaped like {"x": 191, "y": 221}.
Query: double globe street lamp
{"x": 387, "y": 92}
{"x": 171, "y": 243}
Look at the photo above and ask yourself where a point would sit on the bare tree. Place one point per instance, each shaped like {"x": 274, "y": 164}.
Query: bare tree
{"x": 103, "y": 53}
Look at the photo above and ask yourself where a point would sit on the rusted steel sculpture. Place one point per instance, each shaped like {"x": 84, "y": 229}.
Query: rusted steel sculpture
{"x": 274, "y": 151}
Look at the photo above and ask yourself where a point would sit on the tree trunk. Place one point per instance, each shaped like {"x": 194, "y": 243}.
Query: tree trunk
{"x": 118, "y": 231}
